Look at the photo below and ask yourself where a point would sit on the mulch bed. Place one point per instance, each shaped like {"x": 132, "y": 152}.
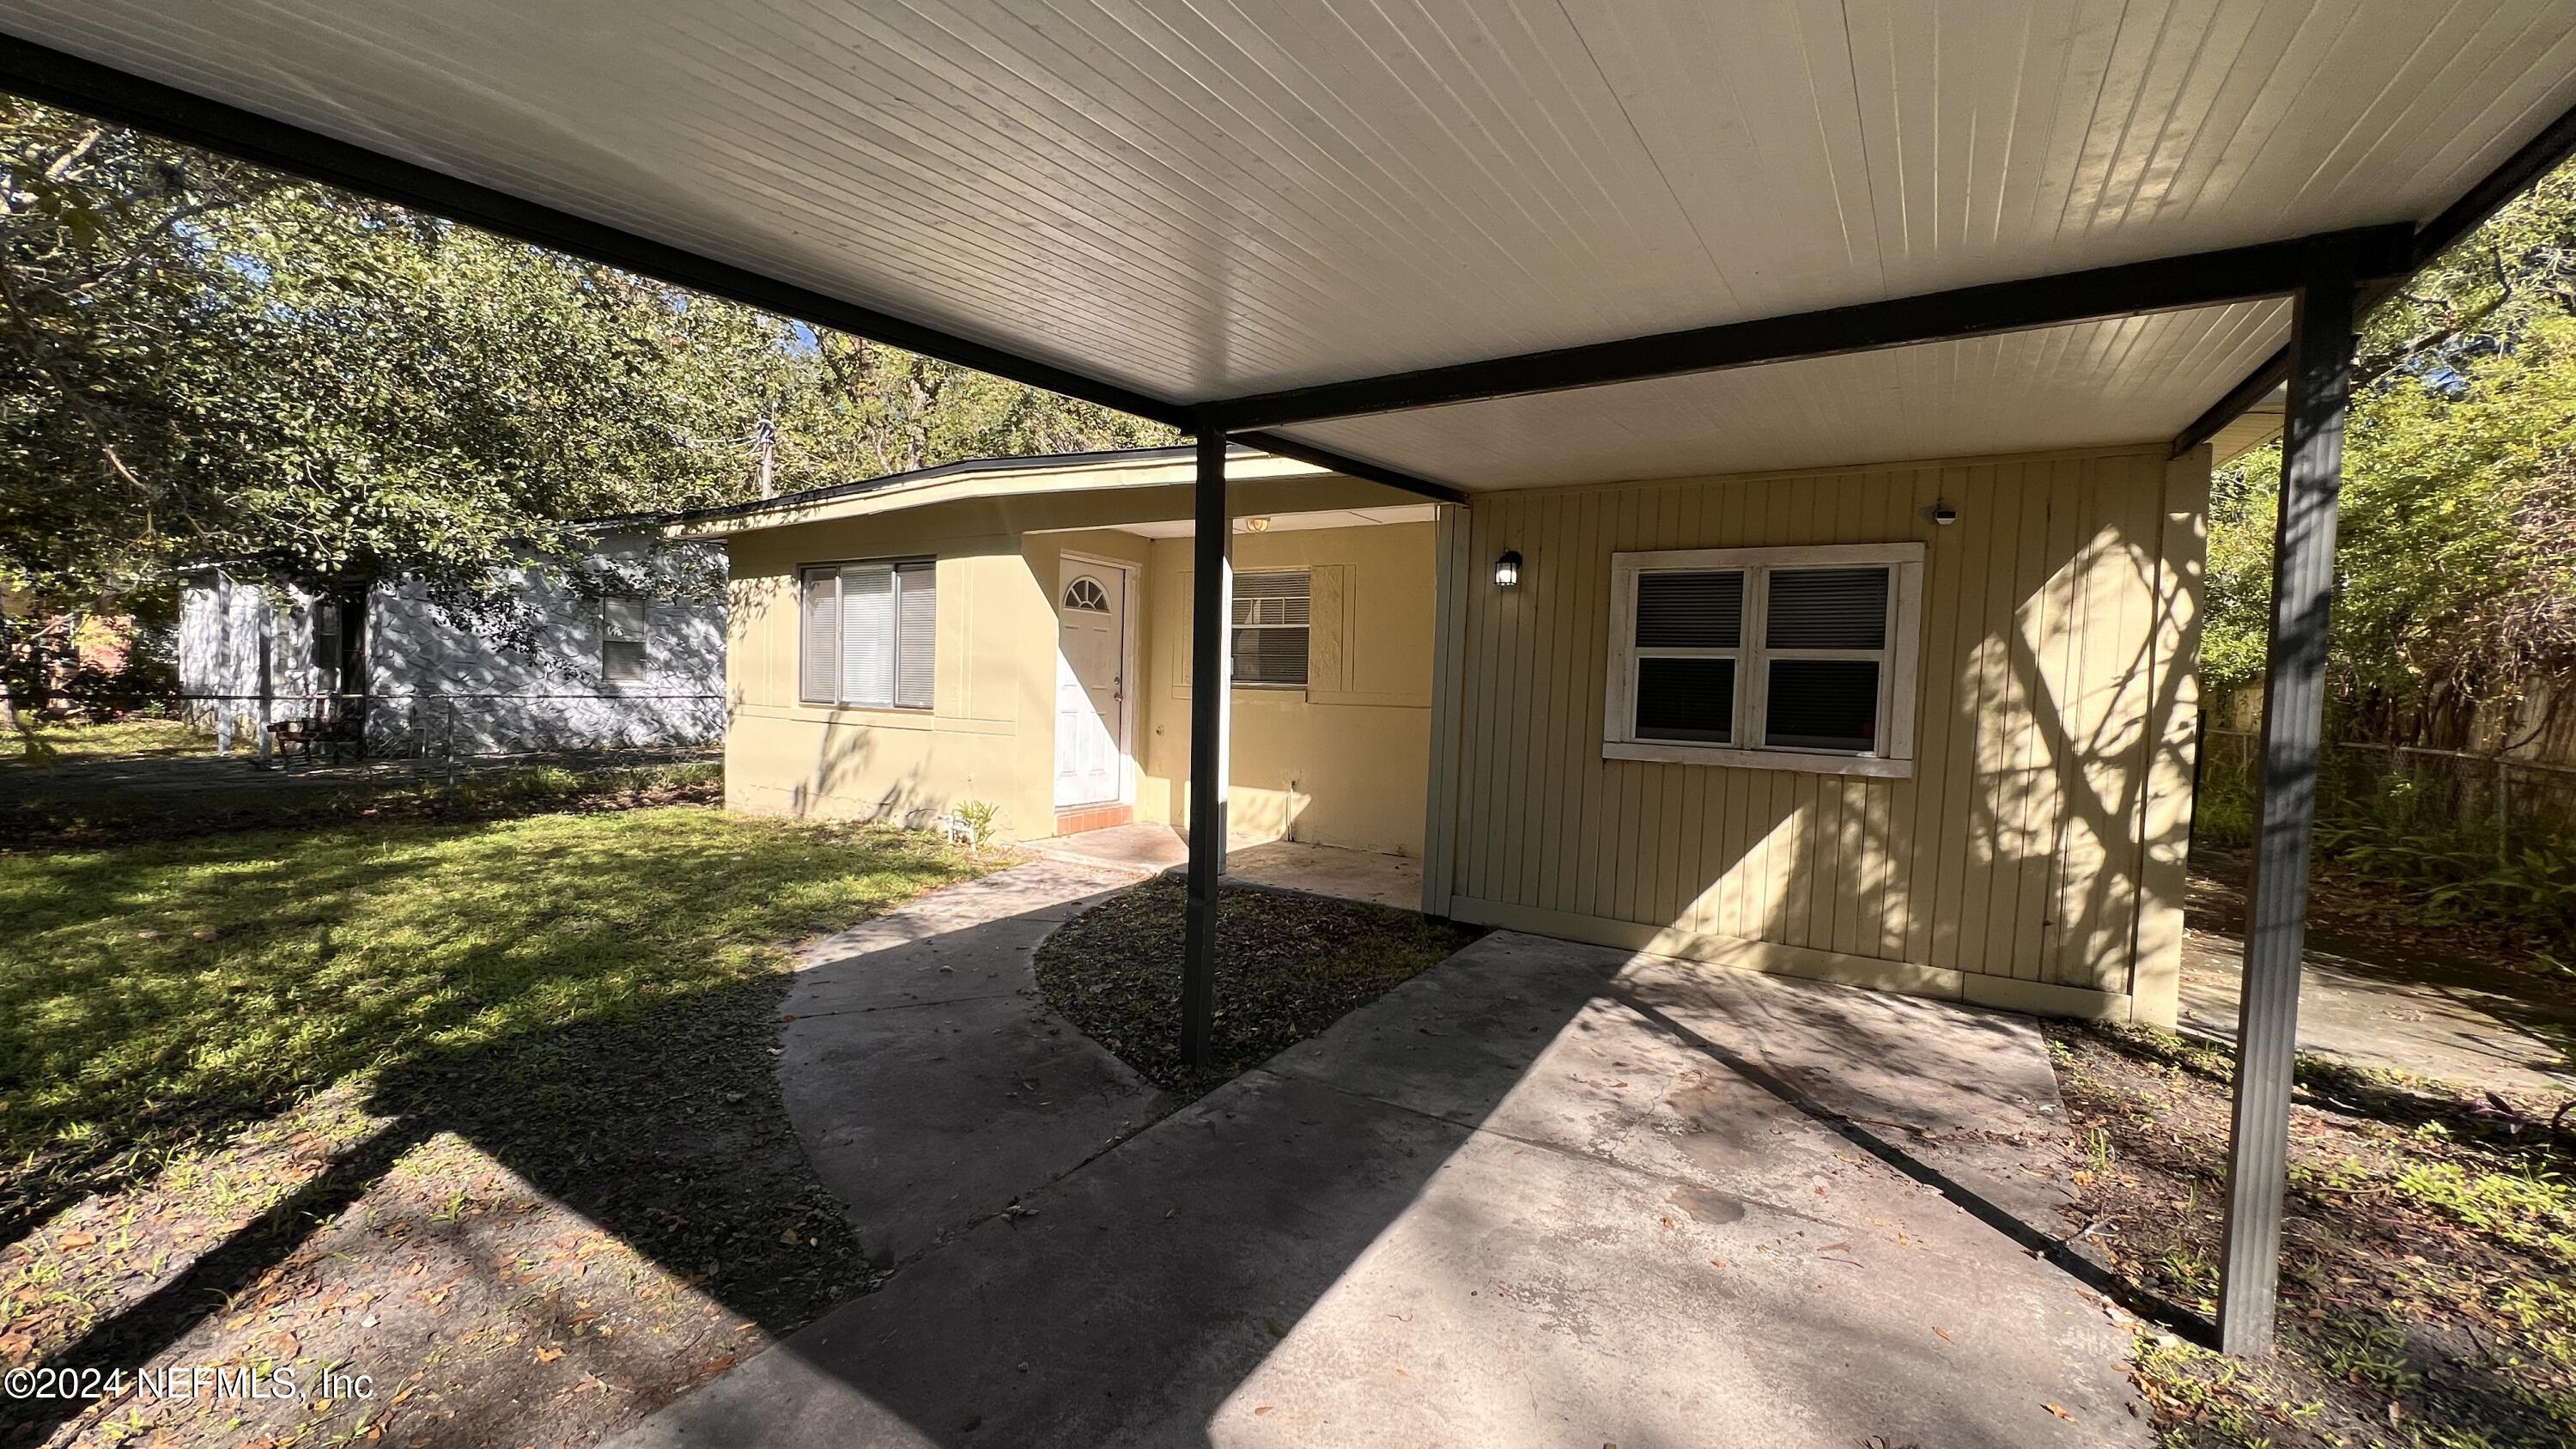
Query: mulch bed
{"x": 2429, "y": 1260}
{"x": 1292, "y": 966}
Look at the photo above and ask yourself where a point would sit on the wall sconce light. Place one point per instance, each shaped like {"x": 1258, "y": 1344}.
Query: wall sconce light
{"x": 1944, "y": 515}
{"x": 1507, "y": 569}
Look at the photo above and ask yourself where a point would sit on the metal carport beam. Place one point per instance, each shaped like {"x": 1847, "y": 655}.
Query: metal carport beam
{"x": 2165, "y": 284}
{"x": 2321, "y": 345}
{"x": 1211, "y": 701}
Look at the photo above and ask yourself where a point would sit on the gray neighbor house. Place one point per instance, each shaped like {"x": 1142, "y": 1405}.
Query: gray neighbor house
{"x": 632, "y": 657}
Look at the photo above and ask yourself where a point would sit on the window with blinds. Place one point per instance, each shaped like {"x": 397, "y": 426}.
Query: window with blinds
{"x": 865, "y": 632}
{"x": 1765, "y": 656}
{"x": 624, "y": 641}
{"x": 1272, "y": 614}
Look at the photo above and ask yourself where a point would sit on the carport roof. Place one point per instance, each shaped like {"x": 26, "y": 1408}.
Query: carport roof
{"x": 1169, "y": 203}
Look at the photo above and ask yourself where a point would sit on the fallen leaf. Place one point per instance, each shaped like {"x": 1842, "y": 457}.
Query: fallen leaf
{"x": 548, "y": 1355}
{"x": 1835, "y": 1247}
{"x": 1945, "y": 1334}
{"x": 2061, "y": 1413}
{"x": 1263, "y": 1409}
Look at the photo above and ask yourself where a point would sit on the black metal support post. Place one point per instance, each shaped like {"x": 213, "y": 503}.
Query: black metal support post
{"x": 1211, "y": 671}
{"x": 2321, "y": 345}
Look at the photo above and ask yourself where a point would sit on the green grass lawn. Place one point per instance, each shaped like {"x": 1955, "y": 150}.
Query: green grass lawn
{"x": 133, "y": 739}
{"x": 453, "y": 1099}
{"x": 154, "y": 991}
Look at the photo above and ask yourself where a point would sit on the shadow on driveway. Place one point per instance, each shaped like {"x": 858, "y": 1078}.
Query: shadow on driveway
{"x": 1542, "y": 1194}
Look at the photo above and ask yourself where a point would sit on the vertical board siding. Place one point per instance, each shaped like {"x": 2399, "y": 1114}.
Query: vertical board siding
{"x": 2015, "y": 851}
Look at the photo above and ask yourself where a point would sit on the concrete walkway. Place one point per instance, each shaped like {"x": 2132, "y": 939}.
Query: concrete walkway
{"x": 1543, "y": 1194}
{"x": 2378, "y": 1016}
{"x": 928, "y": 1081}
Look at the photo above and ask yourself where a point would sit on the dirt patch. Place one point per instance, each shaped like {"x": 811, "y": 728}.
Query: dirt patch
{"x": 2428, "y": 1252}
{"x": 1291, "y": 966}
{"x": 540, "y": 1271}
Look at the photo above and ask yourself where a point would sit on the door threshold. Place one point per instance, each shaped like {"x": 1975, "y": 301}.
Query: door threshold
{"x": 1075, "y": 819}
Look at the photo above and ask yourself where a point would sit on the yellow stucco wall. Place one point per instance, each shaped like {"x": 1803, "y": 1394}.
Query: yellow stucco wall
{"x": 1343, "y": 761}
{"x": 990, "y": 735}
{"x": 2033, "y": 860}
{"x": 1354, "y": 745}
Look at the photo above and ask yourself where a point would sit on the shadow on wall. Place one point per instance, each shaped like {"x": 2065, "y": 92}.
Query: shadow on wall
{"x": 2020, "y": 848}
{"x": 437, "y": 689}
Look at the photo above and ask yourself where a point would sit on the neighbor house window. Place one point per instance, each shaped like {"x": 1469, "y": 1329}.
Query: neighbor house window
{"x": 1271, "y": 612}
{"x": 1786, "y": 658}
{"x": 867, "y": 630}
{"x": 623, "y": 640}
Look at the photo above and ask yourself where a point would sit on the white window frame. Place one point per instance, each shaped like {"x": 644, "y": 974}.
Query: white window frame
{"x": 641, "y": 636}
{"x": 806, "y": 692}
{"x": 1899, "y": 661}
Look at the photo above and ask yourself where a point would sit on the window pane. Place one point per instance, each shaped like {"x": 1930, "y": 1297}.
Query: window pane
{"x": 1272, "y": 598}
{"x": 1828, "y": 609}
{"x": 1686, "y": 699}
{"x": 1270, "y": 656}
{"x": 867, "y": 634}
{"x": 622, "y": 661}
{"x": 1690, "y": 611}
{"x": 624, "y": 618}
{"x": 1823, "y": 704}
{"x": 822, "y": 628}
{"x": 917, "y": 610}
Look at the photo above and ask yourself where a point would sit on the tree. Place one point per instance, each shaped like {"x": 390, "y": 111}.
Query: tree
{"x": 2456, "y": 560}
{"x": 201, "y": 362}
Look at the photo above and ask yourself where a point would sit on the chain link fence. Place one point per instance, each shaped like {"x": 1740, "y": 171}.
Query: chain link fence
{"x": 2495, "y": 803}
{"x": 2479, "y": 834}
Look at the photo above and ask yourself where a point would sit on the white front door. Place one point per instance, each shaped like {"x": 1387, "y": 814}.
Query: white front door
{"x": 1090, "y": 688}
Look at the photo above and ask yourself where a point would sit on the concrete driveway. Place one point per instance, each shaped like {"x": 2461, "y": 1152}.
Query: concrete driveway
{"x": 1544, "y": 1194}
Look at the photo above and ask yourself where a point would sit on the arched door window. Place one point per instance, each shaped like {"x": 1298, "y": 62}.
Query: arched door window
{"x": 1086, "y": 593}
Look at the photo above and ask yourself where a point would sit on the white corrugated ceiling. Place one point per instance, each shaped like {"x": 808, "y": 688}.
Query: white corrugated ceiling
{"x": 1201, "y": 198}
